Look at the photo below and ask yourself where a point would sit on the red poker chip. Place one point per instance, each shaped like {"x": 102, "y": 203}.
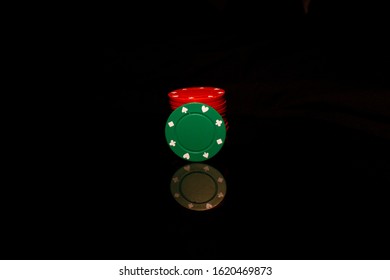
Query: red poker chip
{"x": 198, "y": 99}
{"x": 197, "y": 94}
{"x": 208, "y": 102}
{"x": 212, "y": 104}
{"x": 216, "y": 107}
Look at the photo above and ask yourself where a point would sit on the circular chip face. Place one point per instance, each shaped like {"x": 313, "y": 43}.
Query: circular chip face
{"x": 195, "y": 131}
{"x": 198, "y": 186}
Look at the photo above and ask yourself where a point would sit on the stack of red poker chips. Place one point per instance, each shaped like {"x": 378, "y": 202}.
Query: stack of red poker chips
{"x": 212, "y": 96}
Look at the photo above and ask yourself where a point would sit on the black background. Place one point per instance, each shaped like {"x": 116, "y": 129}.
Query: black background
{"x": 306, "y": 159}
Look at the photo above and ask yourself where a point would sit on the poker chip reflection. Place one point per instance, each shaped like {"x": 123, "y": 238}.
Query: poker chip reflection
{"x": 198, "y": 187}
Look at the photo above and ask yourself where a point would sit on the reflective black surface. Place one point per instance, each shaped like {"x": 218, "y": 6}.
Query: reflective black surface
{"x": 297, "y": 187}
{"x": 306, "y": 158}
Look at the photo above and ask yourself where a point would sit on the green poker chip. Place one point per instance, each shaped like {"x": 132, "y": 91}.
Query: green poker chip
{"x": 195, "y": 131}
{"x": 198, "y": 186}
